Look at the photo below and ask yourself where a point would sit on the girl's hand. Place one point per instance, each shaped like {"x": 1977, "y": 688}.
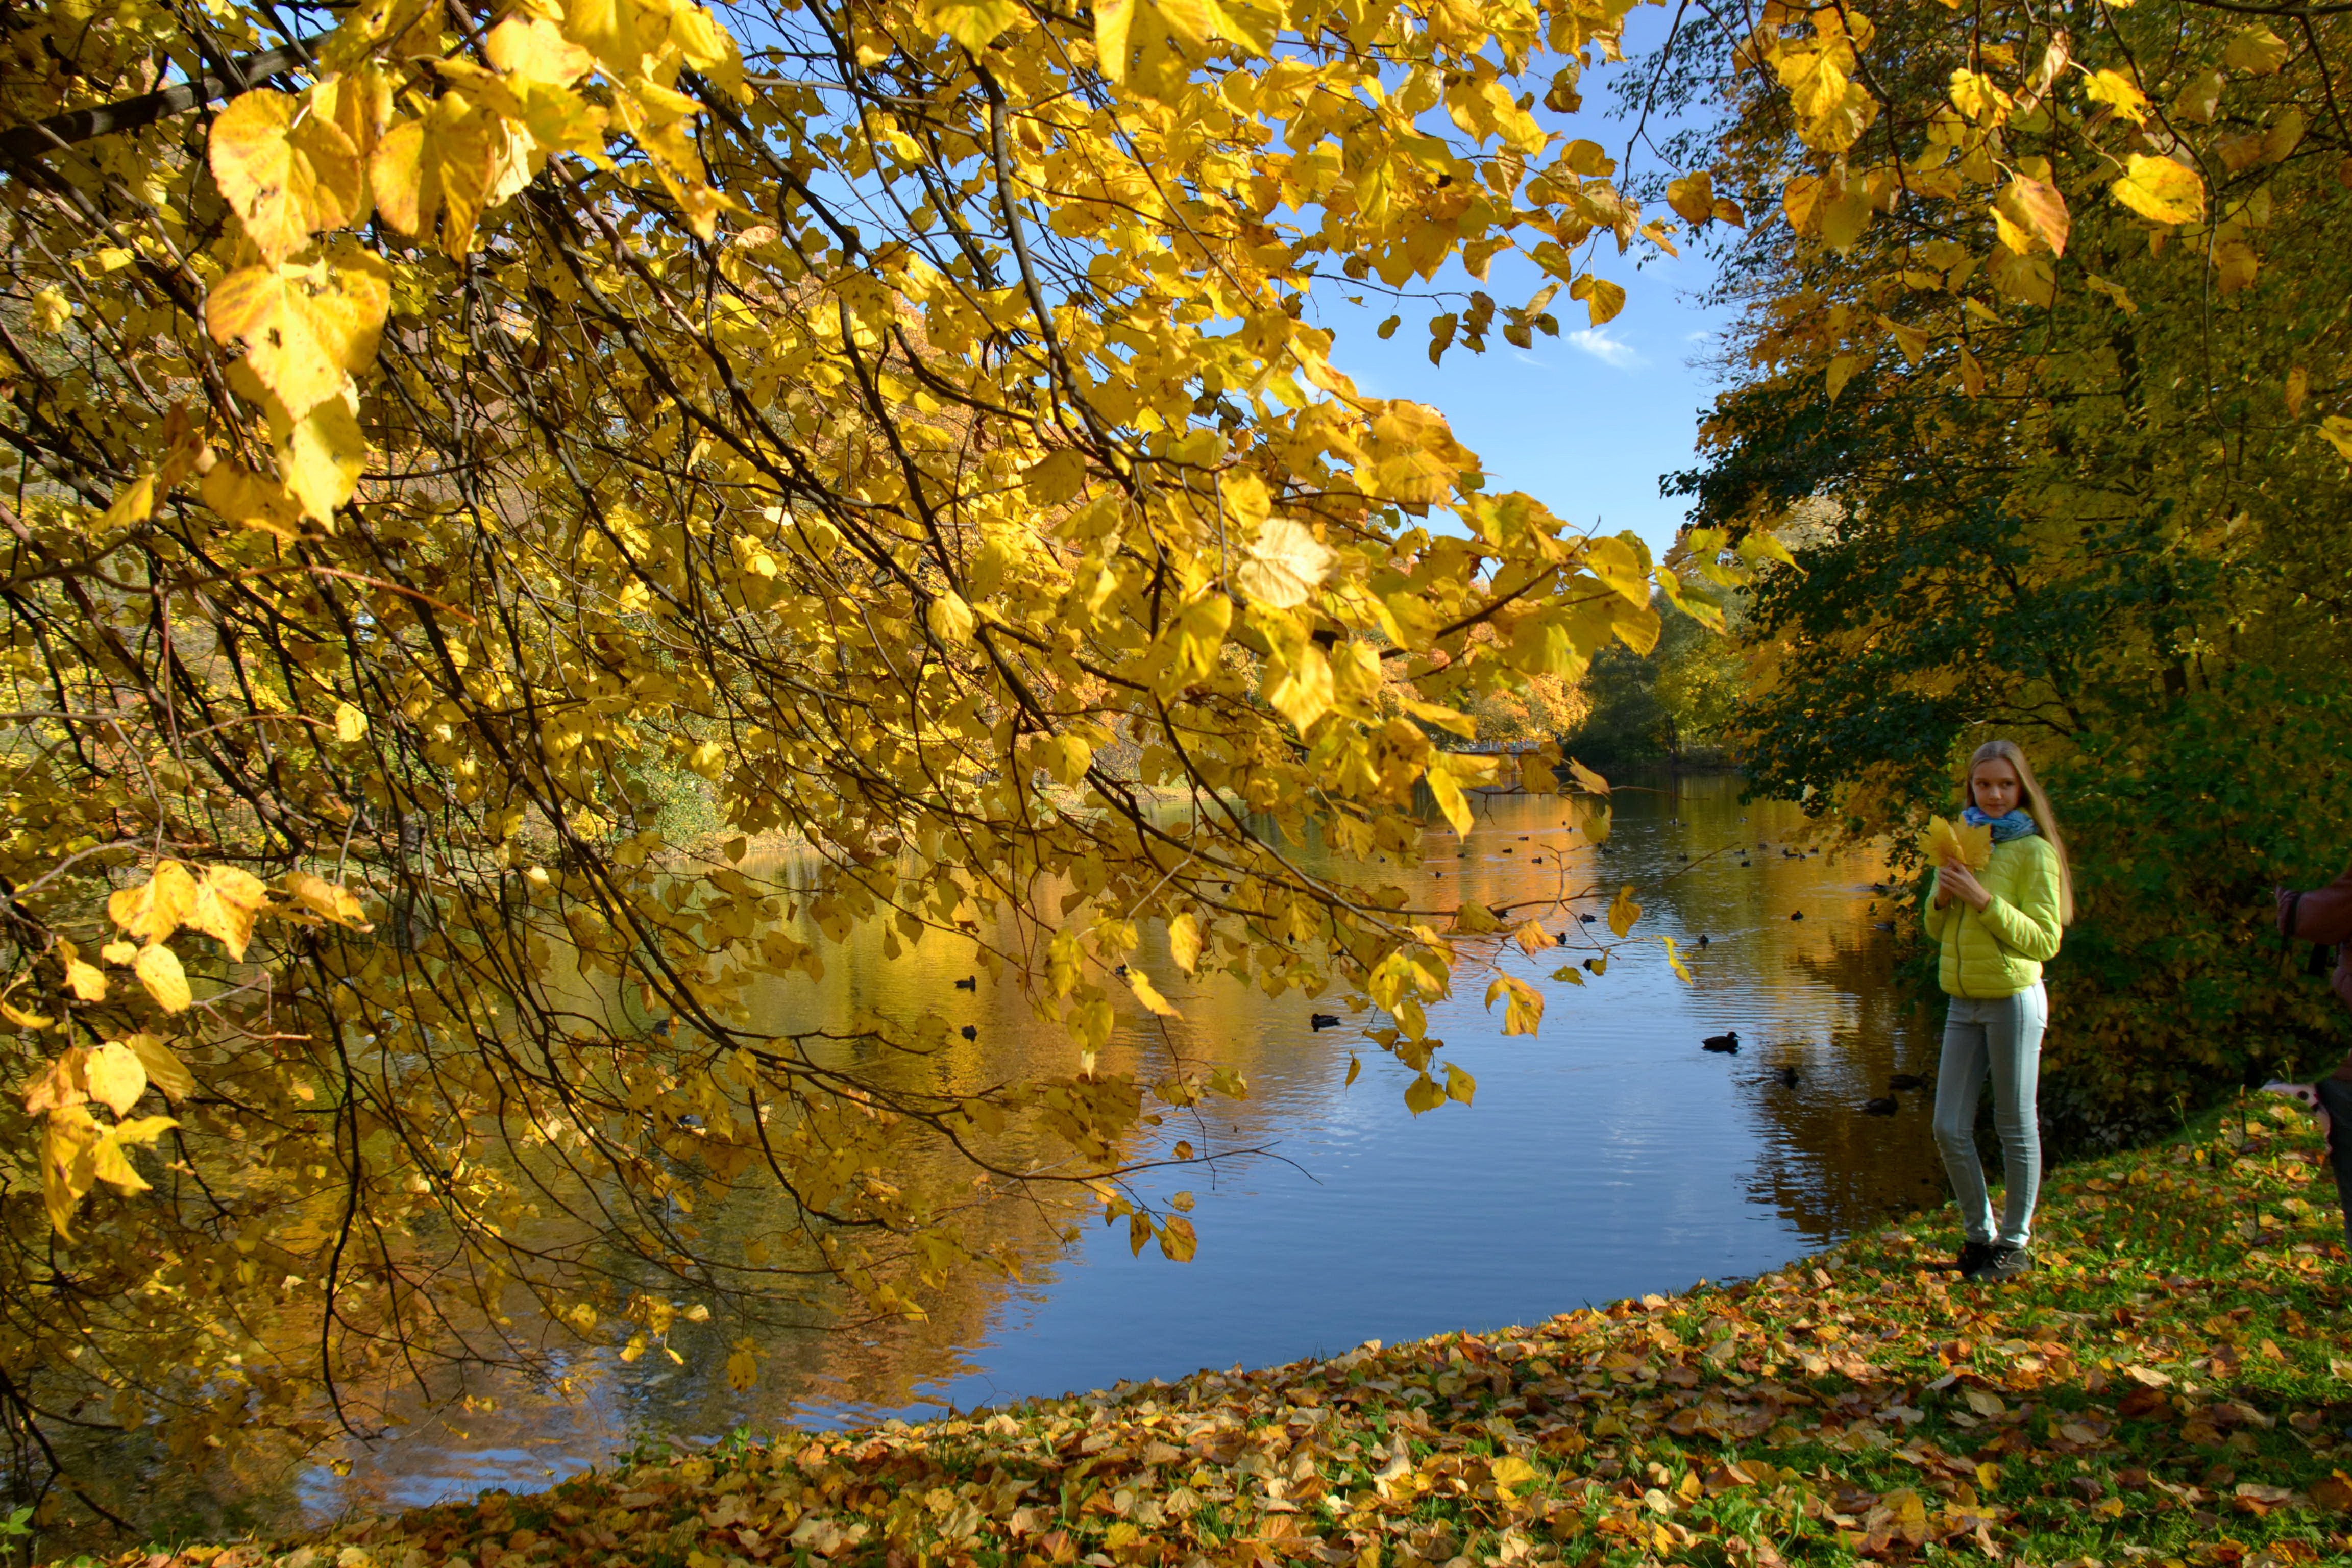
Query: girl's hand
{"x": 1962, "y": 884}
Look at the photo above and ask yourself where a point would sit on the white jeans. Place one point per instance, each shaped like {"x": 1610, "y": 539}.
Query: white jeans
{"x": 2000, "y": 1036}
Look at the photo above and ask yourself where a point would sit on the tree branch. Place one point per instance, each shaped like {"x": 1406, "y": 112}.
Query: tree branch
{"x": 23, "y": 144}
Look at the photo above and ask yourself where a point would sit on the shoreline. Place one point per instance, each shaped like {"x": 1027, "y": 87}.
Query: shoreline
{"x": 2178, "y": 1396}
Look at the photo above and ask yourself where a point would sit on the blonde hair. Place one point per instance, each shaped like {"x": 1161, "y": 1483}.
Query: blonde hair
{"x": 2037, "y": 801}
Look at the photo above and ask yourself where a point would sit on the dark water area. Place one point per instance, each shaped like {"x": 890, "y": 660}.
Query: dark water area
{"x": 1607, "y": 1156}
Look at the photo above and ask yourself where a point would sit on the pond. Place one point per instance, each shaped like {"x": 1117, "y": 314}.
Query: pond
{"x": 1608, "y": 1156}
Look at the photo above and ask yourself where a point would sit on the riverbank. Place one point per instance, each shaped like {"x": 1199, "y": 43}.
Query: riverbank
{"x": 2172, "y": 1387}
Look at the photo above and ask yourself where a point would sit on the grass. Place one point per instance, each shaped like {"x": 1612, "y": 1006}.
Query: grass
{"x": 2170, "y": 1388}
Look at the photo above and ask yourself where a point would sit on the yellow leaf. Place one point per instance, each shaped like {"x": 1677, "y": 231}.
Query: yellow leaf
{"x": 1693, "y": 197}
{"x": 305, "y": 329}
{"x": 1841, "y": 370}
{"x": 1176, "y": 1240}
{"x": 59, "y": 1084}
{"x": 1523, "y": 1008}
{"x": 110, "y": 1164}
{"x": 1972, "y": 380}
{"x": 2337, "y": 430}
{"x": 2160, "y": 190}
{"x": 1460, "y": 1086}
{"x": 2036, "y": 207}
{"x": 1355, "y": 1065}
{"x": 448, "y": 162}
{"x": 251, "y": 501}
{"x": 116, "y": 1076}
{"x": 2234, "y": 266}
{"x": 1299, "y": 687}
{"x": 1284, "y": 565}
{"x": 974, "y": 24}
{"x": 2298, "y": 388}
{"x": 1602, "y": 299}
{"x": 1245, "y": 498}
{"x": 1113, "y": 18}
{"x": 227, "y": 902}
{"x": 1447, "y": 789}
{"x": 119, "y": 952}
{"x": 23, "y": 1018}
{"x": 536, "y": 49}
{"x": 321, "y": 455}
{"x": 1513, "y": 1471}
{"x": 1948, "y": 842}
{"x": 2256, "y": 50}
{"x": 86, "y": 980}
{"x": 158, "y": 971}
{"x": 743, "y": 1367}
{"x": 1532, "y": 938}
{"x": 69, "y": 1162}
{"x": 288, "y": 174}
{"x": 1149, "y": 995}
{"x": 1423, "y": 1094}
{"x": 2118, "y": 92}
{"x": 1623, "y": 911}
{"x": 1675, "y": 962}
{"x": 1184, "y": 943}
{"x": 164, "y": 1069}
{"x": 1983, "y": 1401}
{"x": 154, "y": 911}
{"x": 950, "y": 618}
{"x": 350, "y": 723}
{"x": 133, "y": 503}
{"x": 329, "y": 899}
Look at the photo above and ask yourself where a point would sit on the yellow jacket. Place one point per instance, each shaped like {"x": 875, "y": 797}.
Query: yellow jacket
{"x": 2000, "y": 951}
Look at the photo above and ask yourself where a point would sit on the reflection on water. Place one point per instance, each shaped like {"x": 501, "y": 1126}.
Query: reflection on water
{"x": 1608, "y": 1156}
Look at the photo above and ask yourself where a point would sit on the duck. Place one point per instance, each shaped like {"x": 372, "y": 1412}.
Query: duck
{"x": 1887, "y": 1106}
{"x": 1726, "y": 1043}
{"x": 1702, "y": 939}
{"x": 1796, "y": 915}
{"x": 969, "y": 1032}
{"x": 1787, "y": 1076}
{"x": 1321, "y": 1021}
{"x": 968, "y": 982}
{"x": 1905, "y": 1080}
{"x": 1121, "y": 972}
{"x": 1588, "y": 919}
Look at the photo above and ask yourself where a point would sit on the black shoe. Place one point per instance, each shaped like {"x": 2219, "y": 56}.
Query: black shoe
{"x": 1974, "y": 1255}
{"x": 2006, "y": 1263}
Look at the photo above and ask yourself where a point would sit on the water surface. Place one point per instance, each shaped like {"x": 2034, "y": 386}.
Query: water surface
{"x": 1608, "y": 1156}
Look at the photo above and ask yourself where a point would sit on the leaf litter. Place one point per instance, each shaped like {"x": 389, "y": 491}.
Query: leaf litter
{"x": 2171, "y": 1387}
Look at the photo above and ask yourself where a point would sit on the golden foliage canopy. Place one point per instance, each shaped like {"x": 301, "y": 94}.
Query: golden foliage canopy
{"x": 450, "y": 439}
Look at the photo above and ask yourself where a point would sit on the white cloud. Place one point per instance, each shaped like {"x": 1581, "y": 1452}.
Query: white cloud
{"x": 1613, "y": 352}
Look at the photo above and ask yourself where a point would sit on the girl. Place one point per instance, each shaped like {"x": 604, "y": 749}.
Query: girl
{"x": 1995, "y": 931}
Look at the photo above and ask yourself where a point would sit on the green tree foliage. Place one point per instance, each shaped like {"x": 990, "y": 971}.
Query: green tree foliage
{"x": 2051, "y": 333}
{"x": 1671, "y": 705}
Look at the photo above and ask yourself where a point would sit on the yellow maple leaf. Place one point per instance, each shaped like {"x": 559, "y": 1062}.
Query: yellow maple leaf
{"x": 1947, "y": 843}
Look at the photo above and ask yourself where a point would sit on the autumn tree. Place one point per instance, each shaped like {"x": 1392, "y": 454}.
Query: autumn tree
{"x": 448, "y": 437}
{"x": 2041, "y": 370}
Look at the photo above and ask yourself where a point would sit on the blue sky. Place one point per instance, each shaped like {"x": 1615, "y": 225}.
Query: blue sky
{"x": 1585, "y": 422}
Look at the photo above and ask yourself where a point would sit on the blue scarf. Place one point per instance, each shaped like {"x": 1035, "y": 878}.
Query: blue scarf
{"x": 2016, "y": 824}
